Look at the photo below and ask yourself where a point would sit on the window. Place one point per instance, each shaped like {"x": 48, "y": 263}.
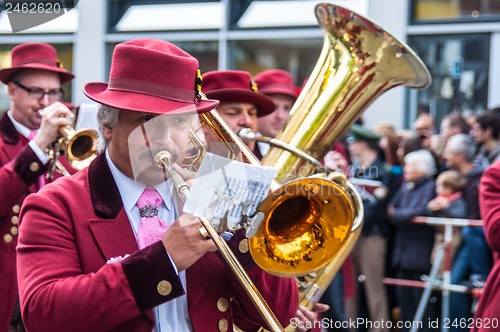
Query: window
{"x": 459, "y": 69}
{"x": 207, "y": 54}
{"x": 297, "y": 56}
{"x": 174, "y": 16}
{"x": 431, "y": 11}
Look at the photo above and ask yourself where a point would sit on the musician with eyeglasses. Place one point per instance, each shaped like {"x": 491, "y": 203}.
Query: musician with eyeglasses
{"x": 33, "y": 83}
{"x": 110, "y": 248}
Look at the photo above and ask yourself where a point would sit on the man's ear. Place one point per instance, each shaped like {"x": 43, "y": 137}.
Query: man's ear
{"x": 108, "y": 133}
{"x": 11, "y": 88}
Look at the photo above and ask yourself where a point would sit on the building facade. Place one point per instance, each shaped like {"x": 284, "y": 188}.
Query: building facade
{"x": 456, "y": 39}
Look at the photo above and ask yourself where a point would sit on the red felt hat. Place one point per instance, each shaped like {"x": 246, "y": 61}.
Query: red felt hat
{"x": 236, "y": 86}
{"x": 276, "y": 81}
{"x": 35, "y": 56}
{"x": 152, "y": 76}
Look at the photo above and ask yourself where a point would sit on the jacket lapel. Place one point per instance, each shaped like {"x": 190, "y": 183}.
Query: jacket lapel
{"x": 111, "y": 229}
{"x": 14, "y": 141}
{"x": 8, "y": 131}
{"x": 114, "y": 237}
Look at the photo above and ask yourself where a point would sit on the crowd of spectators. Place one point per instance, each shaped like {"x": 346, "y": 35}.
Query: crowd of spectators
{"x": 435, "y": 170}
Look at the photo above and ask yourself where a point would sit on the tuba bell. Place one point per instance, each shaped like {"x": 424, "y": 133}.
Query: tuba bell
{"x": 312, "y": 220}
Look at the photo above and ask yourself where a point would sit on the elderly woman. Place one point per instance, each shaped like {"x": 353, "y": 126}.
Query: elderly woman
{"x": 413, "y": 242}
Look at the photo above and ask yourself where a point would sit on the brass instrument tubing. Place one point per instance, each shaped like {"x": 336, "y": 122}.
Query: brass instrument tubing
{"x": 225, "y": 251}
{"x": 247, "y": 133}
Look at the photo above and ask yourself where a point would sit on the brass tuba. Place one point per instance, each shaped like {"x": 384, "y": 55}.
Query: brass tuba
{"x": 359, "y": 62}
{"x": 312, "y": 221}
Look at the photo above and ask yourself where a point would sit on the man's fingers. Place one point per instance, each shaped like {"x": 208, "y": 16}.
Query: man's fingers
{"x": 184, "y": 173}
{"x": 56, "y": 110}
{"x": 321, "y": 307}
{"x": 189, "y": 219}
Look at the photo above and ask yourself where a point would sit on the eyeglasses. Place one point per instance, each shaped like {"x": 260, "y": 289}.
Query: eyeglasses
{"x": 38, "y": 93}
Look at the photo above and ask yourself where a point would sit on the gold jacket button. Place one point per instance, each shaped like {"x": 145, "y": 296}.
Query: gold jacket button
{"x": 13, "y": 230}
{"x": 16, "y": 208}
{"x": 164, "y": 288}
{"x": 34, "y": 166}
{"x": 14, "y": 220}
{"x": 222, "y": 304}
{"x": 223, "y": 325}
{"x": 7, "y": 238}
{"x": 243, "y": 246}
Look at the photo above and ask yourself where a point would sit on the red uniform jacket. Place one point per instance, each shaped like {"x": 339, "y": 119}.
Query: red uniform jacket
{"x": 20, "y": 169}
{"x": 489, "y": 203}
{"x": 68, "y": 233}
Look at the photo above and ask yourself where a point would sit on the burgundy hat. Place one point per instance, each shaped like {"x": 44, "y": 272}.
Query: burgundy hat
{"x": 152, "y": 76}
{"x": 35, "y": 56}
{"x": 276, "y": 81}
{"x": 236, "y": 86}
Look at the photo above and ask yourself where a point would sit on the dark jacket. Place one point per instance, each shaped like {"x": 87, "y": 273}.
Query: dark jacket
{"x": 375, "y": 200}
{"x": 455, "y": 209}
{"x": 471, "y": 192}
{"x": 413, "y": 242}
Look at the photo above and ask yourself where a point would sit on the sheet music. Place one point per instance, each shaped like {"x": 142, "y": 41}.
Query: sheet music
{"x": 224, "y": 187}
{"x": 87, "y": 116}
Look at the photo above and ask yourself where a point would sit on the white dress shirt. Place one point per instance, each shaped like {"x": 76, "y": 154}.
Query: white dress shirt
{"x": 172, "y": 315}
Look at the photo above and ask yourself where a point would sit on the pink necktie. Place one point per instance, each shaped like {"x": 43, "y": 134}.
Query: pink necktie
{"x": 151, "y": 228}
{"x": 31, "y": 135}
{"x": 41, "y": 179}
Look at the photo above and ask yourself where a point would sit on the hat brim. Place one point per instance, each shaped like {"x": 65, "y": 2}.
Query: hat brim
{"x": 264, "y": 104}
{"x": 139, "y": 102}
{"x": 281, "y": 91}
{"x": 6, "y": 74}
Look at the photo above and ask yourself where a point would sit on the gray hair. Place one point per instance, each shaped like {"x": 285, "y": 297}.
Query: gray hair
{"x": 462, "y": 143}
{"x": 423, "y": 161}
{"x": 107, "y": 117}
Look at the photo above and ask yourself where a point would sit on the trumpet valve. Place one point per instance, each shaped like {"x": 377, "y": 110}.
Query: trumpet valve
{"x": 252, "y": 224}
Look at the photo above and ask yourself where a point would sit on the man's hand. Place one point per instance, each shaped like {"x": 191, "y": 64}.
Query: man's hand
{"x": 53, "y": 117}
{"x": 336, "y": 161}
{"x": 390, "y": 210}
{"x": 186, "y": 174}
{"x": 306, "y": 317}
{"x": 184, "y": 243}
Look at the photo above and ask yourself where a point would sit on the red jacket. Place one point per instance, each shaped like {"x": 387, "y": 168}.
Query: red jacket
{"x": 489, "y": 203}
{"x": 20, "y": 169}
{"x": 71, "y": 229}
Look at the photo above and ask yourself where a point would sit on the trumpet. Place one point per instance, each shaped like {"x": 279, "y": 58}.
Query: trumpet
{"x": 78, "y": 146}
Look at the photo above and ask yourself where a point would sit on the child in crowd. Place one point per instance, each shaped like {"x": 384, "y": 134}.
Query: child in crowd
{"x": 448, "y": 204}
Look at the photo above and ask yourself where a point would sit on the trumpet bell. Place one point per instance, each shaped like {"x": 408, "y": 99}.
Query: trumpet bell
{"x": 81, "y": 145}
{"x": 307, "y": 222}
{"x": 80, "y": 148}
